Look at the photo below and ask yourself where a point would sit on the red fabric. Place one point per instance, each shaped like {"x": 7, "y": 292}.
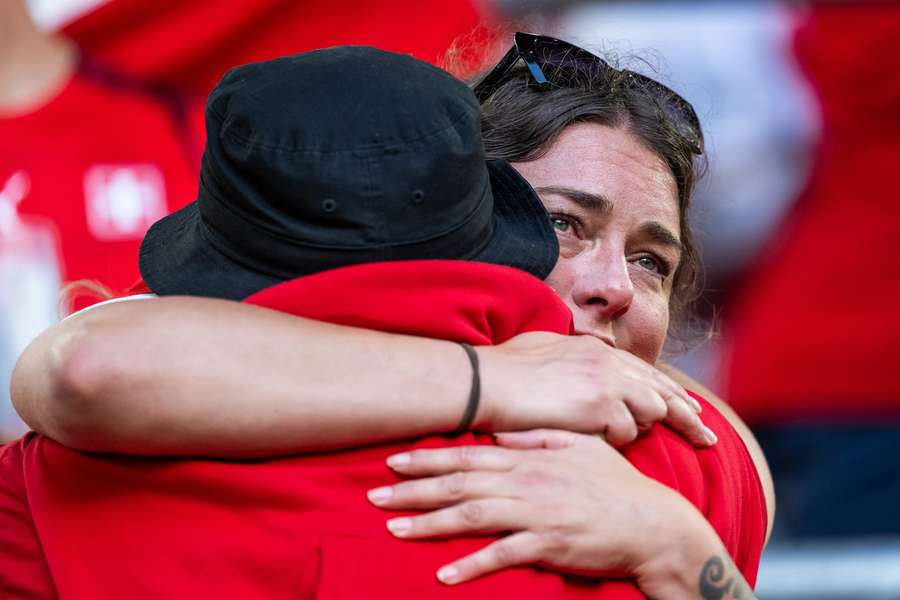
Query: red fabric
{"x": 191, "y": 43}
{"x": 814, "y": 331}
{"x": 23, "y": 570}
{"x": 103, "y": 161}
{"x": 301, "y": 527}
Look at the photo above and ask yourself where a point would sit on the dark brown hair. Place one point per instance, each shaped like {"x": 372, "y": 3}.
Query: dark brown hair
{"x": 521, "y": 120}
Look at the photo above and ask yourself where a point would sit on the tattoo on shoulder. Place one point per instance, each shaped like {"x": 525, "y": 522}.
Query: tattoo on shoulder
{"x": 720, "y": 580}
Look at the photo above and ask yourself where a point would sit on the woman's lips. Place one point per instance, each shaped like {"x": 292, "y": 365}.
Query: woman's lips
{"x": 603, "y": 338}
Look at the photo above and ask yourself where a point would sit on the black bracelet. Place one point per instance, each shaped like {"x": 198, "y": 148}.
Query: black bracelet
{"x": 474, "y": 393}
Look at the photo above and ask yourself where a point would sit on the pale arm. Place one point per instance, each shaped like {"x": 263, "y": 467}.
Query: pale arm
{"x": 217, "y": 378}
{"x": 198, "y": 376}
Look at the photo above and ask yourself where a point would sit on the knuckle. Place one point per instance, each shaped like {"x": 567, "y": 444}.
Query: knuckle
{"x": 471, "y": 513}
{"x": 466, "y": 456}
{"x": 679, "y": 410}
{"x": 504, "y": 554}
{"x": 418, "y": 457}
{"x": 600, "y": 408}
{"x": 622, "y": 431}
{"x": 531, "y": 476}
{"x": 553, "y": 542}
{"x": 454, "y": 484}
{"x": 657, "y": 408}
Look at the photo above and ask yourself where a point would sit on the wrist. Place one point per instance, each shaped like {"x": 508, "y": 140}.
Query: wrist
{"x": 673, "y": 569}
{"x": 486, "y": 416}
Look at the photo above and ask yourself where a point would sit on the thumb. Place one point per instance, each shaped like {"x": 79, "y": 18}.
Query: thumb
{"x": 553, "y": 439}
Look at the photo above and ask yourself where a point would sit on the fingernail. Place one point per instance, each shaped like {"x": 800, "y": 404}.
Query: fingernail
{"x": 448, "y": 574}
{"x": 380, "y": 495}
{"x": 710, "y": 436}
{"x": 400, "y": 525}
{"x": 696, "y": 405}
{"x": 398, "y": 460}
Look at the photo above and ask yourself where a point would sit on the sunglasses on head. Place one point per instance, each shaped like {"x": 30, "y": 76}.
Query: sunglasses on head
{"x": 545, "y": 55}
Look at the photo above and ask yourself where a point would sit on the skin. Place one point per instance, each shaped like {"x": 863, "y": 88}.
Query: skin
{"x": 33, "y": 65}
{"x": 614, "y": 207}
{"x": 70, "y": 384}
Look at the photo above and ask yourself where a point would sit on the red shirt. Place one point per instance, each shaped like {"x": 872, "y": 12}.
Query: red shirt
{"x": 103, "y": 160}
{"x": 194, "y": 42}
{"x": 814, "y": 332}
{"x": 23, "y": 569}
{"x": 302, "y": 526}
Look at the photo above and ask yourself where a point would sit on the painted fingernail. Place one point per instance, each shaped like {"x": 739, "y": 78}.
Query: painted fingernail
{"x": 398, "y": 460}
{"x": 710, "y": 436}
{"x": 380, "y": 495}
{"x": 448, "y": 575}
{"x": 400, "y": 525}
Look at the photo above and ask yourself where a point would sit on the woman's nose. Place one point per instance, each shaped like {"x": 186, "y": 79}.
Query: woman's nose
{"x": 604, "y": 289}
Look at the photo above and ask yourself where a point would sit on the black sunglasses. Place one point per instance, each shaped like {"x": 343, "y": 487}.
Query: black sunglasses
{"x": 541, "y": 54}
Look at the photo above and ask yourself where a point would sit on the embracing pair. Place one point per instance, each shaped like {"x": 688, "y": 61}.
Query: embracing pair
{"x": 388, "y": 231}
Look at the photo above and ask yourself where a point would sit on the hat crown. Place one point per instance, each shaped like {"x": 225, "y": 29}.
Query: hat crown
{"x": 292, "y": 151}
{"x": 339, "y": 157}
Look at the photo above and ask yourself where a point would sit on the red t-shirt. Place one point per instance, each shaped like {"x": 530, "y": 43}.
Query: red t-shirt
{"x": 23, "y": 569}
{"x": 302, "y": 526}
{"x": 194, "y": 41}
{"x": 814, "y": 331}
{"x": 102, "y": 161}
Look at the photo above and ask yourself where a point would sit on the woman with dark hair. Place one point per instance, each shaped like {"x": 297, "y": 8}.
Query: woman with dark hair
{"x": 616, "y": 177}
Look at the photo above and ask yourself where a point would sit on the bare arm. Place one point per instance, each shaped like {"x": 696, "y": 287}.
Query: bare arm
{"x": 198, "y": 376}
{"x": 211, "y": 377}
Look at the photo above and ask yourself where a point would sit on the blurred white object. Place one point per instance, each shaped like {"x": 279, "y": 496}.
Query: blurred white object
{"x": 50, "y": 15}
{"x": 827, "y": 569}
{"x": 734, "y": 63}
{"x": 29, "y": 287}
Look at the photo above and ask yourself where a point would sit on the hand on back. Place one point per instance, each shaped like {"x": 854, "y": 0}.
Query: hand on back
{"x": 581, "y": 384}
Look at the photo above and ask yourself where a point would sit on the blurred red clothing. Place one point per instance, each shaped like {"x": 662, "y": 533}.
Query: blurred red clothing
{"x": 814, "y": 332}
{"x": 191, "y": 43}
{"x": 302, "y": 526}
{"x": 103, "y": 160}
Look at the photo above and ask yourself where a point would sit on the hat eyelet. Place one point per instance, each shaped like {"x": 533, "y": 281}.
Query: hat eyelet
{"x": 329, "y": 205}
{"x": 418, "y": 196}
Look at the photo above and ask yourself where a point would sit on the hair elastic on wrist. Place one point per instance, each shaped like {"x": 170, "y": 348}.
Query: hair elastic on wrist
{"x": 474, "y": 394}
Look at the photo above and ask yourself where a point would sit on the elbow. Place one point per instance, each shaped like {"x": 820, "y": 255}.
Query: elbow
{"x": 61, "y": 380}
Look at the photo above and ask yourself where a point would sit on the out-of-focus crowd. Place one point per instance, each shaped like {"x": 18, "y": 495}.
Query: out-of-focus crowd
{"x": 101, "y": 121}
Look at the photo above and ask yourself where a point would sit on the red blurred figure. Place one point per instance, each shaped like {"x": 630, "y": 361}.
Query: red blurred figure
{"x": 191, "y": 43}
{"x": 104, "y": 154}
{"x": 813, "y": 334}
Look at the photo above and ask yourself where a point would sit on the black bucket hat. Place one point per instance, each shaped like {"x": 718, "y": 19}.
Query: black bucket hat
{"x": 338, "y": 157}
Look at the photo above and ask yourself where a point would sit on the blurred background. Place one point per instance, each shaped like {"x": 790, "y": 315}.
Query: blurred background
{"x": 101, "y": 130}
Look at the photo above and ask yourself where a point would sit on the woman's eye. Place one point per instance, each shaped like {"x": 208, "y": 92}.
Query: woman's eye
{"x": 651, "y": 264}
{"x": 561, "y": 225}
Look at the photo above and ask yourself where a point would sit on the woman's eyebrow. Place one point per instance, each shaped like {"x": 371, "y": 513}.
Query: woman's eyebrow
{"x": 596, "y": 202}
{"x": 586, "y": 200}
{"x": 661, "y": 234}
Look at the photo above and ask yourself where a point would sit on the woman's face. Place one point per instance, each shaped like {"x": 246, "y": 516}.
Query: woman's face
{"x": 615, "y": 210}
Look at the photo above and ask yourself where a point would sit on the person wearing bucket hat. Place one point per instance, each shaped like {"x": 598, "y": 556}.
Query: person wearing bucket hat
{"x": 429, "y": 414}
{"x": 299, "y": 176}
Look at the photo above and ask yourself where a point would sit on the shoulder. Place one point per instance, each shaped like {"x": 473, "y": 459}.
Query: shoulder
{"x": 745, "y": 434}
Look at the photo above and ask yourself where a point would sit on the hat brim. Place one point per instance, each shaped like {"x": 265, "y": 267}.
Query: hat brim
{"x": 177, "y": 256}
{"x": 523, "y": 235}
